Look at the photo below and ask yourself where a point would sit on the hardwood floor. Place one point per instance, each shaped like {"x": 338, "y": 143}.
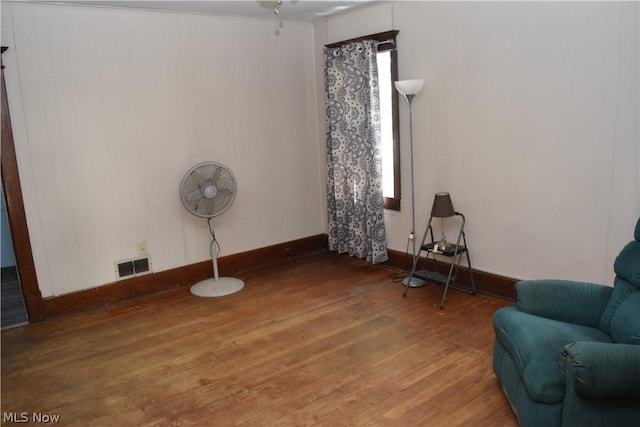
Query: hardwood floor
{"x": 322, "y": 341}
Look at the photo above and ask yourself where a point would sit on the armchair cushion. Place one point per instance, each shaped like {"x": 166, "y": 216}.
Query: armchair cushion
{"x": 626, "y": 264}
{"x": 627, "y": 282}
{"x": 625, "y": 324}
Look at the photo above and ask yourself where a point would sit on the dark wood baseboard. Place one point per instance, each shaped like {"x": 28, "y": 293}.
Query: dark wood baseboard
{"x": 486, "y": 283}
{"x": 182, "y": 276}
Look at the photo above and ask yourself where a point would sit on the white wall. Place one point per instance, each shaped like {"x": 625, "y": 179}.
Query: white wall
{"x": 111, "y": 107}
{"x": 529, "y": 118}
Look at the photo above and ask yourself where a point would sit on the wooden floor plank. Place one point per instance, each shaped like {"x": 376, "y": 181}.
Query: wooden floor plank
{"x": 322, "y": 341}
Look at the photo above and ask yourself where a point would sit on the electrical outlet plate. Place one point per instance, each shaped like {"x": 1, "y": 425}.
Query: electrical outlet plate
{"x": 143, "y": 249}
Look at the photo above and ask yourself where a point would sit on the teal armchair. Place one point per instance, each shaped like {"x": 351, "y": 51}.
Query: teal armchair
{"x": 568, "y": 353}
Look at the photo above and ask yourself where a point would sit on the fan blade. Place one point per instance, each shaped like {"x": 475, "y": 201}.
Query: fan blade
{"x": 225, "y": 192}
{"x": 225, "y": 182}
{"x": 209, "y": 205}
{"x": 216, "y": 175}
{"x": 195, "y": 195}
{"x": 199, "y": 179}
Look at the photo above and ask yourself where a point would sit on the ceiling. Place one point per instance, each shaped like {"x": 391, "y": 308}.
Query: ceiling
{"x": 290, "y": 10}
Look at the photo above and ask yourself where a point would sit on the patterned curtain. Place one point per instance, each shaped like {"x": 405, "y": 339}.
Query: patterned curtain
{"x": 354, "y": 183}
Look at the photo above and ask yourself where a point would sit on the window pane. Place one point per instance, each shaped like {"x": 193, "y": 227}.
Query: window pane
{"x": 386, "y": 121}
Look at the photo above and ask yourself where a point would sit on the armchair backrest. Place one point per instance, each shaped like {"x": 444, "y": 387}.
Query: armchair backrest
{"x": 621, "y": 317}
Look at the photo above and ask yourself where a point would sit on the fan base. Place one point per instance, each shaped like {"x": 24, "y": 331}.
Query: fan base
{"x": 217, "y": 287}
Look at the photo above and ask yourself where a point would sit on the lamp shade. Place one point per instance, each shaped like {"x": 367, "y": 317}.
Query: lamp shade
{"x": 409, "y": 87}
{"x": 442, "y": 206}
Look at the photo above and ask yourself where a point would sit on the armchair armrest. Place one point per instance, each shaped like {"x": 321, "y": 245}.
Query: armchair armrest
{"x": 568, "y": 301}
{"x": 603, "y": 370}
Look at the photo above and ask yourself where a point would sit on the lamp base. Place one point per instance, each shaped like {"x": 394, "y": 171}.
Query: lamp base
{"x": 413, "y": 282}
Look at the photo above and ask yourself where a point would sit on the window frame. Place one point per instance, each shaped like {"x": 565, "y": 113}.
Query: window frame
{"x": 387, "y": 41}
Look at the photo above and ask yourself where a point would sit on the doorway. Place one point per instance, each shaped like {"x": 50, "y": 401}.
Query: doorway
{"x": 12, "y": 309}
{"x": 19, "y": 232}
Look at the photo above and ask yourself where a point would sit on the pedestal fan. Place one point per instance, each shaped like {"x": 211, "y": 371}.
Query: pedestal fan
{"x": 207, "y": 190}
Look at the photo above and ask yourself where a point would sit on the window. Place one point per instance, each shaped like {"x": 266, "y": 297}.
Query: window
{"x": 389, "y": 123}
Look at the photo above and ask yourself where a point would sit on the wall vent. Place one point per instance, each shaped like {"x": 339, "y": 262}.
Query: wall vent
{"x": 132, "y": 267}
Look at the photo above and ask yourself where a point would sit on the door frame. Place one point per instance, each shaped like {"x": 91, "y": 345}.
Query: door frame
{"x": 17, "y": 217}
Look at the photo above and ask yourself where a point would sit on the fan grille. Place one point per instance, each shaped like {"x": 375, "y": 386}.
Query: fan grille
{"x": 208, "y": 189}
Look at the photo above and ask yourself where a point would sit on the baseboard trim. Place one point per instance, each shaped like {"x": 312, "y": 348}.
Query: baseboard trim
{"x": 486, "y": 283}
{"x": 182, "y": 276}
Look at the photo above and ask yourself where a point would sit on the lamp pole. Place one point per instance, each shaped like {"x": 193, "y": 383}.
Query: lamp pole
{"x": 413, "y": 193}
{"x": 409, "y": 88}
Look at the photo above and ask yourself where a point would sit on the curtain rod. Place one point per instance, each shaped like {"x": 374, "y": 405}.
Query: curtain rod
{"x": 386, "y": 37}
{"x": 390, "y": 41}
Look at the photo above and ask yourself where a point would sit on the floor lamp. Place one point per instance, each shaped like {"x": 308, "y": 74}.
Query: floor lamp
{"x": 409, "y": 88}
